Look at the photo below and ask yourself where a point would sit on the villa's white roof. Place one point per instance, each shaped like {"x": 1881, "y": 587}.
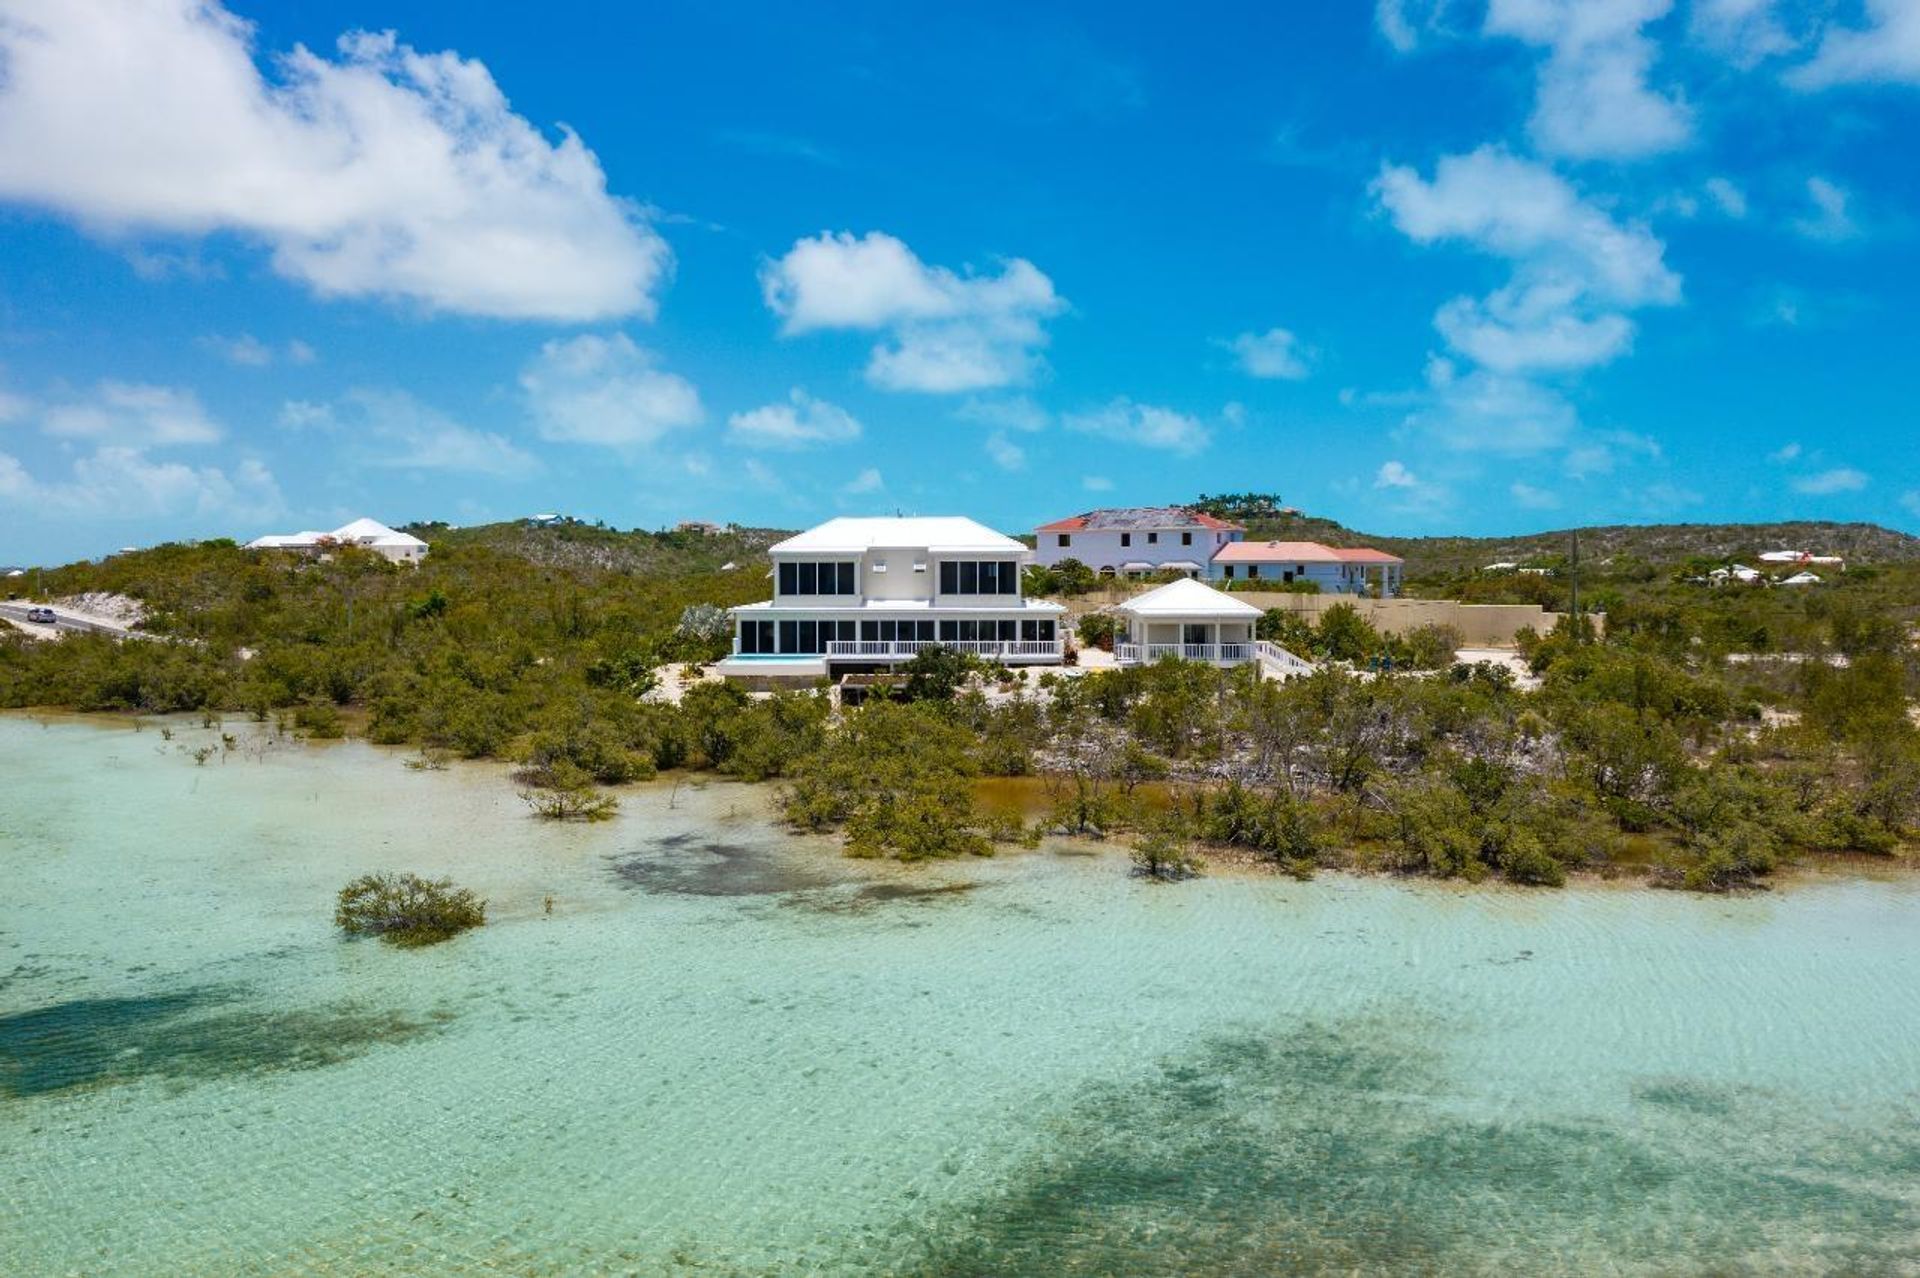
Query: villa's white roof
{"x": 944, "y": 534}
{"x": 375, "y": 532}
{"x": 361, "y": 532}
{"x": 1187, "y": 598}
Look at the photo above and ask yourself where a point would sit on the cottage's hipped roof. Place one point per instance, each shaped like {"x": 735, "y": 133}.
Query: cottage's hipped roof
{"x": 1299, "y": 552}
{"x": 1188, "y": 598}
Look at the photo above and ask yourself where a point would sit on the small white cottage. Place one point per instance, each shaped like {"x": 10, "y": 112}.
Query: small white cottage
{"x": 1195, "y": 622}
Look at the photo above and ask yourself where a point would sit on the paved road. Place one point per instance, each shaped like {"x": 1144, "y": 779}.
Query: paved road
{"x": 68, "y": 621}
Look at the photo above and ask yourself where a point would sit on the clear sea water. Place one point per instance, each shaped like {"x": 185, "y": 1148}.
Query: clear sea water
{"x": 727, "y": 1051}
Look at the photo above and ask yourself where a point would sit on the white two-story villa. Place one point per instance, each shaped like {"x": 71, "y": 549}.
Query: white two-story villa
{"x": 865, "y": 594}
{"x": 1133, "y": 540}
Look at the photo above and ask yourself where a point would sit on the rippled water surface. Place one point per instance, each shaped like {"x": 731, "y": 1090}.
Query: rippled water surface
{"x": 726, "y": 1051}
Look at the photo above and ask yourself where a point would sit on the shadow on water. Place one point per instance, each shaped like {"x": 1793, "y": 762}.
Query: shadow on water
{"x": 190, "y": 1035}
{"x": 689, "y": 865}
{"x": 1331, "y": 1150}
{"x": 877, "y": 896}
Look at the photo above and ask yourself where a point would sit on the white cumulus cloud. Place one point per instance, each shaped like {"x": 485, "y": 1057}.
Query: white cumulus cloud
{"x": 378, "y": 171}
{"x": 606, "y": 390}
{"x": 1594, "y": 98}
{"x": 799, "y": 423}
{"x": 1886, "y": 50}
{"x": 943, "y": 331}
{"x": 1575, "y": 269}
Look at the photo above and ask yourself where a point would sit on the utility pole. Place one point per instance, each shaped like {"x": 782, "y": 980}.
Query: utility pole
{"x": 1573, "y": 573}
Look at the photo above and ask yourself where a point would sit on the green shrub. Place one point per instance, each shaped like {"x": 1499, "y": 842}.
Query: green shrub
{"x": 319, "y": 719}
{"x": 405, "y": 909}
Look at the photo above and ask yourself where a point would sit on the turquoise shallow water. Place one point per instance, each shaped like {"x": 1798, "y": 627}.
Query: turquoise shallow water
{"x": 726, "y": 1051}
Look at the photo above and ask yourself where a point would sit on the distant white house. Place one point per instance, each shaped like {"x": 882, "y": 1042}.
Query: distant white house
{"x": 1195, "y": 622}
{"x": 1131, "y": 540}
{"x": 1736, "y": 573}
{"x": 367, "y": 534}
{"x": 1802, "y": 558}
{"x": 1801, "y": 579}
{"x": 1134, "y": 540}
{"x": 862, "y": 595}
{"x": 547, "y": 519}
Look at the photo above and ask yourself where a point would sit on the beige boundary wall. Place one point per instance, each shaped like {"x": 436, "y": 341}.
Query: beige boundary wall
{"x": 1480, "y": 625}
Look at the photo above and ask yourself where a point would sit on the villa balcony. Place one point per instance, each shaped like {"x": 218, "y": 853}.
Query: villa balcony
{"x": 1013, "y": 650}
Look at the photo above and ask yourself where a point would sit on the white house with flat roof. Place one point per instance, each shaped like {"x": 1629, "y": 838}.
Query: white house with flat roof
{"x": 367, "y": 534}
{"x": 1195, "y": 622}
{"x": 1131, "y": 540}
{"x": 857, "y": 595}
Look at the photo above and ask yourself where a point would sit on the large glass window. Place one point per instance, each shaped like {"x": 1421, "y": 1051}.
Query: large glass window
{"x": 979, "y": 577}
{"x": 789, "y": 636}
{"x": 831, "y": 578}
{"x": 757, "y": 636}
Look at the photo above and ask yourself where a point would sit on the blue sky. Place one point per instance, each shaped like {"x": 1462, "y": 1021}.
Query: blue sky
{"x": 1423, "y": 267}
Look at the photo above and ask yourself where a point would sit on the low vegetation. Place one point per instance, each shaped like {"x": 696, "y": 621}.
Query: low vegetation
{"x": 1700, "y": 739}
{"x": 407, "y": 910}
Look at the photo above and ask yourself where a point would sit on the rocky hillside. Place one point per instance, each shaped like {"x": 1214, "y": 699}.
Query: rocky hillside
{"x": 595, "y": 546}
{"x": 1660, "y": 544}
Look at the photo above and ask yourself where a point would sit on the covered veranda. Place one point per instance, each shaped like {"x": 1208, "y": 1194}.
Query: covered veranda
{"x": 1189, "y": 620}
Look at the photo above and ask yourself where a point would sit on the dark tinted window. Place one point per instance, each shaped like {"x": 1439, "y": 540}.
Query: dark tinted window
{"x": 789, "y": 576}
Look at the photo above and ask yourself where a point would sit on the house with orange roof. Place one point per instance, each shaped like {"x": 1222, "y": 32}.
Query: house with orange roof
{"x": 1351, "y": 570}
{"x": 1132, "y": 541}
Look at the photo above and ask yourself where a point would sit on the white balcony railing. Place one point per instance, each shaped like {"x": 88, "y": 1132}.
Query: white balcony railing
{"x": 1004, "y": 649}
{"x": 1271, "y": 655}
{"x": 1282, "y": 660}
{"x": 1225, "y": 654}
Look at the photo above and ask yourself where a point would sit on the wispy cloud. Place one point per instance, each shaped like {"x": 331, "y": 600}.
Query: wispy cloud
{"x": 1826, "y": 483}
{"x": 1274, "y": 354}
{"x": 801, "y": 422}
